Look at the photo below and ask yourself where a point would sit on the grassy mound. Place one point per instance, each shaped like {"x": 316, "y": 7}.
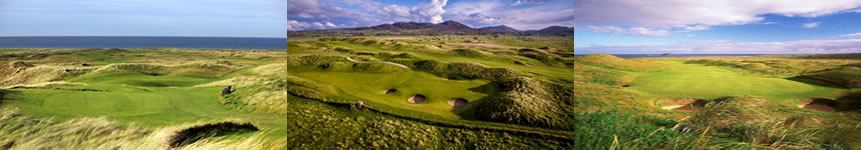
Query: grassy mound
{"x": 538, "y": 55}
{"x": 847, "y": 76}
{"x": 466, "y": 70}
{"x": 529, "y": 101}
{"x": 592, "y": 74}
{"x": 29, "y": 74}
{"x": 613, "y": 62}
{"x": 209, "y": 70}
{"x": 823, "y": 56}
{"x": 338, "y": 63}
{"x": 260, "y": 90}
{"x": 467, "y": 53}
{"x": 769, "y": 67}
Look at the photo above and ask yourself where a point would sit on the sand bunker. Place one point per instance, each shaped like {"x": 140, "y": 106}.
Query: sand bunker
{"x": 390, "y": 91}
{"x": 195, "y": 133}
{"x": 684, "y": 104}
{"x": 417, "y": 99}
{"x": 457, "y": 102}
{"x": 819, "y": 104}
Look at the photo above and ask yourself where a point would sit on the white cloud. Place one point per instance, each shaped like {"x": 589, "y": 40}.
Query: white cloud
{"x": 330, "y": 24}
{"x": 527, "y": 2}
{"x": 319, "y": 25}
{"x": 531, "y": 15}
{"x": 697, "y": 28}
{"x": 811, "y": 25}
{"x": 638, "y": 31}
{"x": 853, "y": 34}
{"x": 401, "y": 11}
{"x": 654, "y": 13}
{"x": 433, "y": 10}
{"x": 732, "y": 47}
{"x": 294, "y": 25}
{"x": 527, "y": 17}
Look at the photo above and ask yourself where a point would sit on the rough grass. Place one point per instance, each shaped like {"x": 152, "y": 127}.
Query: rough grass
{"x": 846, "y": 76}
{"x": 323, "y": 126}
{"x": 613, "y": 62}
{"x": 752, "y": 121}
{"x": 25, "y": 132}
{"x": 529, "y": 102}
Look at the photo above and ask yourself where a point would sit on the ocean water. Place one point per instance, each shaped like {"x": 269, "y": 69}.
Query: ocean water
{"x": 675, "y": 55}
{"x": 144, "y": 42}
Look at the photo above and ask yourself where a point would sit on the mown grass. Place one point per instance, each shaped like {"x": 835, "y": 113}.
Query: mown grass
{"x": 709, "y": 82}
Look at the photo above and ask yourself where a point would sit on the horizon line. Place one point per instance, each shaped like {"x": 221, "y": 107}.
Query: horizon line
{"x": 135, "y": 36}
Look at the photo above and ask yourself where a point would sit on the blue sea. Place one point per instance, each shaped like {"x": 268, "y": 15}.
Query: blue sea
{"x": 676, "y": 55}
{"x": 144, "y": 42}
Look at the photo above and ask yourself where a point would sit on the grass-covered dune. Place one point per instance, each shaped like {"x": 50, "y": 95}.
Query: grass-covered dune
{"x": 145, "y": 91}
{"x": 763, "y": 102}
{"x": 455, "y": 88}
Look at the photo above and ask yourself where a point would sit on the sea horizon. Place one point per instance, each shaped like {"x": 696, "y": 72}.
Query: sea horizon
{"x": 198, "y": 42}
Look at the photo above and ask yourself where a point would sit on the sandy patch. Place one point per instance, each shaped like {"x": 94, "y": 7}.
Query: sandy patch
{"x": 390, "y": 91}
{"x": 417, "y": 99}
{"x": 825, "y": 105}
{"x": 683, "y": 104}
{"x": 457, "y": 102}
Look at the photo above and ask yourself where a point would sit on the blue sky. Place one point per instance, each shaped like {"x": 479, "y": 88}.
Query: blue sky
{"x": 717, "y": 27}
{"x": 210, "y": 18}
{"x": 519, "y": 14}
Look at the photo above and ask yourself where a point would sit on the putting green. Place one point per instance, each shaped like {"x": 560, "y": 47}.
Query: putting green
{"x": 370, "y": 86}
{"x": 709, "y": 82}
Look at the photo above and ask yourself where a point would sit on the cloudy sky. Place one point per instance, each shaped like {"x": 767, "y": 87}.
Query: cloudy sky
{"x": 717, "y": 27}
{"x": 219, "y": 18}
{"x": 519, "y": 14}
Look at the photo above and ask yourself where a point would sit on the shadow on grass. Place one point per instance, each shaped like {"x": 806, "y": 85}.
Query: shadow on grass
{"x": 850, "y": 102}
{"x": 467, "y": 111}
{"x": 4, "y": 94}
{"x": 196, "y": 133}
{"x": 818, "y": 82}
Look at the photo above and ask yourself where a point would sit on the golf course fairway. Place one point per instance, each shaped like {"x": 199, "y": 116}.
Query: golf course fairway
{"x": 708, "y": 82}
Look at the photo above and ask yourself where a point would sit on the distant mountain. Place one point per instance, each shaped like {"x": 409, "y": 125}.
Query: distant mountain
{"x": 557, "y": 28}
{"x": 503, "y": 28}
{"x": 447, "y": 25}
{"x": 423, "y": 28}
